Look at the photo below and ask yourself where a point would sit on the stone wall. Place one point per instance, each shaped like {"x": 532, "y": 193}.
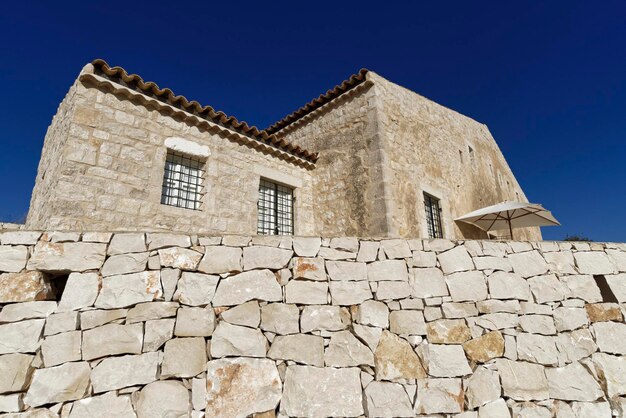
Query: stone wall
{"x": 157, "y": 324}
{"x": 103, "y": 161}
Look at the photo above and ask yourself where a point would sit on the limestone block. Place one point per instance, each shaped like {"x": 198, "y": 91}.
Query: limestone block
{"x": 324, "y": 318}
{"x": 386, "y": 399}
{"x": 373, "y": 313}
{"x": 346, "y": 270}
{"x": 240, "y": 387}
{"x": 196, "y": 289}
{"x": 127, "y": 243}
{"x": 617, "y": 283}
{"x": 319, "y": 392}
{"x": 447, "y": 361}
{"x": 27, "y": 310}
{"x": 599, "y": 312}
{"x": 560, "y": 262}
{"x": 306, "y": 246}
{"x": 67, "y": 382}
{"x": 572, "y": 383}
{"x": 486, "y": 347}
{"x": 162, "y": 240}
{"x": 594, "y": 262}
{"x": 103, "y": 406}
{"x": 163, "y": 399}
{"x": 11, "y": 403}
{"x": 301, "y": 348}
{"x": 236, "y": 240}
{"x": 195, "y": 322}
{"x": 19, "y": 237}
{"x": 547, "y": 288}
{"x": 407, "y": 323}
{"x": 368, "y": 250}
{"x": 198, "y": 393}
{"x": 125, "y": 263}
{"x": 568, "y": 319}
{"x": 151, "y": 310}
{"x": 370, "y": 335}
{"x": 456, "y": 259}
{"x": 456, "y": 310}
{"x": 345, "y": 350}
{"x": 528, "y": 264}
{"x": 424, "y": 259}
{"x": 612, "y": 373}
{"x": 81, "y": 291}
{"x": 334, "y": 254}
{"x": 157, "y": 332}
{"x": 591, "y": 409}
{"x": 395, "y": 359}
{"x": 265, "y": 257}
{"x": 61, "y": 322}
{"x": 129, "y": 289}
{"x": 102, "y": 237}
{"x": 427, "y": 283}
{"x": 438, "y": 245}
{"x": 493, "y": 263}
{"x": 95, "y": 318}
{"x": 349, "y": 293}
{"x": 61, "y": 348}
{"x": 467, "y": 286}
{"x": 70, "y": 256}
{"x": 537, "y": 348}
{"x": 309, "y": 268}
{"x": 112, "y": 339}
{"x": 495, "y": 409}
{"x": 396, "y": 248}
{"x": 439, "y": 396}
{"x": 180, "y": 258}
{"x": 495, "y": 306}
{"x": 393, "y": 290}
{"x": 247, "y": 314}
{"x": 184, "y": 357}
{"x": 499, "y": 320}
{"x": 21, "y": 337}
{"x": 280, "y": 318}
{"x": 618, "y": 258}
{"x": 120, "y": 372}
{"x": 481, "y": 387}
{"x": 504, "y": 285}
{"x": 538, "y": 324}
{"x": 393, "y": 270}
{"x": 249, "y": 285}
{"x": 575, "y": 345}
{"x": 13, "y": 258}
{"x": 610, "y": 337}
{"x": 220, "y": 259}
{"x": 535, "y": 308}
{"x": 169, "y": 280}
{"x": 448, "y": 331}
{"x": 523, "y": 381}
{"x": 233, "y": 340}
{"x": 345, "y": 244}
{"x": 24, "y": 287}
{"x": 306, "y": 293}
{"x": 15, "y": 372}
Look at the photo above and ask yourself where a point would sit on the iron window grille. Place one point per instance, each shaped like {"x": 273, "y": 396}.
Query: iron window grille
{"x": 433, "y": 216}
{"x": 182, "y": 181}
{"x": 275, "y": 208}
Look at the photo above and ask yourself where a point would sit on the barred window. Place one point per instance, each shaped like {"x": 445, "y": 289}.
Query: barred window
{"x": 182, "y": 181}
{"x": 275, "y": 209}
{"x": 433, "y": 216}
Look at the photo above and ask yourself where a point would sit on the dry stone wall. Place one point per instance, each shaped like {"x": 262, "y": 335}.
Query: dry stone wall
{"x": 164, "y": 325}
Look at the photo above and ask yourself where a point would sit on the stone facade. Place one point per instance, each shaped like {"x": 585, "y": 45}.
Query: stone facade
{"x": 160, "y": 324}
{"x": 380, "y": 148}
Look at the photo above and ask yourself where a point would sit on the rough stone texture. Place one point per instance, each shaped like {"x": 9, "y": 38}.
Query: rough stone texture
{"x": 180, "y": 258}
{"x": 148, "y": 311}
{"x": 66, "y": 382}
{"x": 610, "y": 337}
{"x": 346, "y": 270}
{"x": 523, "y": 381}
{"x": 467, "y": 286}
{"x": 233, "y": 340}
{"x": 163, "y": 399}
{"x": 120, "y": 372}
{"x": 301, "y": 348}
{"x": 280, "y": 318}
{"x": 309, "y": 268}
{"x": 248, "y": 315}
{"x": 387, "y": 270}
{"x": 13, "y": 258}
{"x": 456, "y": 259}
{"x": 125, "y": 263}
{"x": 76, "y": 257}
{"x": 427, "y": 283}
{"x": 395, "y": 359}
{"x": 536, "y": 348}
{"x": 265, "y": 257}
{"x": 184, "y": 357}
{"x": 439, "y": 396}
{"x": 24, "y": 287}
{"x": 528, "y": 264}
{"x": 219, "y": 260}
{"x": 481, "y": 387}
{"x": 612, "y": 373}
{"x": 129, "y": 289}
{"x": 21, "y": 337}
{"x": 61, "y": 348}
{"x": 306, "y": 293}
{"x": 311, "y": 391}
{"x": 373, "y": 313}
{"x": 447, "y": 361}
{"x": 123, "y": 243}
{"x": 594, "y": 262}
{"x": 81, "y": 291}
{"x": 103, "y": 406}
{"x": 617, "y": 283}
{"x": 572, "y": 383}
{"x": 240, "y": 387}
{"x": 345, "y": 350}
{"x": 407, "y": 322}
{"x": 486, "y": 347}
{"x": 448, "y": 331}
{"x": 15, "y": 372}
{"x": 234, "y": 290}
{"x": 508, "y": 286}
{"x": 195, "y": 322}
{"x": 196, "y": 289}
{"x": 349, "y": 293}
{"x": 385, "y": 399}
{"x": 112, "y": 339}
{"x": 306, "y": 246}
{"x": 157, "y": 333}
{"x": 27, "y": 310}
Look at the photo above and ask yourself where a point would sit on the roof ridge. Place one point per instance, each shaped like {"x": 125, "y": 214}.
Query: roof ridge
{"x": 353, "y": 81}
{"x": 135, "y": 82}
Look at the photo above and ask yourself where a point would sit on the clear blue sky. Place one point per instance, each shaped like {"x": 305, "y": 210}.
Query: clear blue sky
{"x": 548, "y": 78}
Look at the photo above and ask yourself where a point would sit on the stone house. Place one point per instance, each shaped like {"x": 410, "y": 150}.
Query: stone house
{"x": 367, "y": 158}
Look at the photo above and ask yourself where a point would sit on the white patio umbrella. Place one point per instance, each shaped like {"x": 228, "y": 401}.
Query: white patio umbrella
{"x": 509, "y": 215}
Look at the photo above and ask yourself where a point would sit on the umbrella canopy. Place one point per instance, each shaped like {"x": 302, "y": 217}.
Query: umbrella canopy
{"x": 509, "y": 215}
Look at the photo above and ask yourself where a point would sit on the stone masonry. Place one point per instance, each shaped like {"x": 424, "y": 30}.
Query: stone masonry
{"x": 136, "y": 324}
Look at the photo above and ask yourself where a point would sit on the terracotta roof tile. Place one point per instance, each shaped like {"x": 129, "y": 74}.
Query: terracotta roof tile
{"x": 320, "y": 101}
{"x": 166, "y": 95}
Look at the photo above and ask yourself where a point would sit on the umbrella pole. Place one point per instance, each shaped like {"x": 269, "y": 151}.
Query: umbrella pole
{"x": 510, "y": 229}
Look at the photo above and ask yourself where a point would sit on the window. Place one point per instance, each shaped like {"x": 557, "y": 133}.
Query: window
{"x": 275, "y": 209}
{"x": 433, "y": 216}
{"x": 182, "y": 181}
